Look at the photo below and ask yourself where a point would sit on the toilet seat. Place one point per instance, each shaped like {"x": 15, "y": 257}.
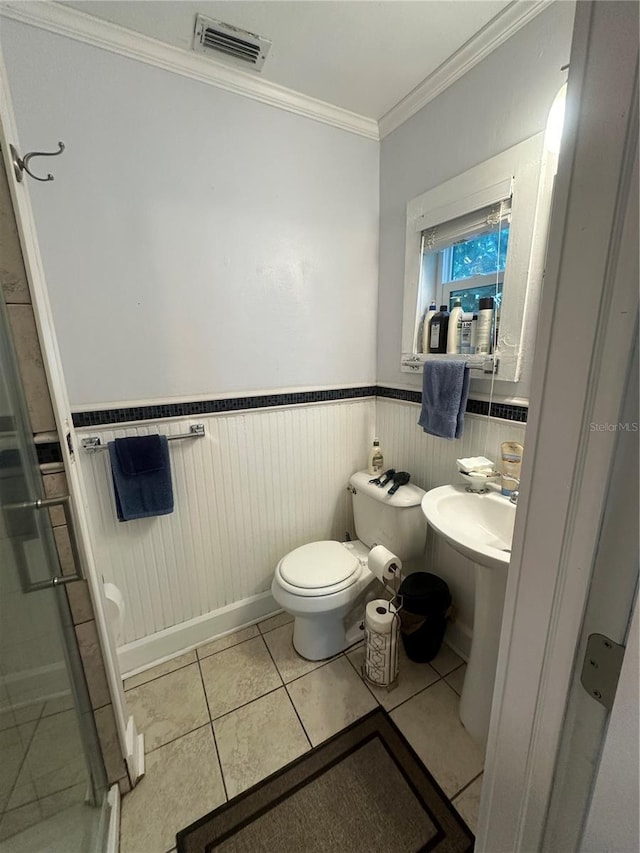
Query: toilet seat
{"x": 319, "y": 568}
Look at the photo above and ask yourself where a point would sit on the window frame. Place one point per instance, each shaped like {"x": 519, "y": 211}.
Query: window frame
{"x": 516, "y": 172}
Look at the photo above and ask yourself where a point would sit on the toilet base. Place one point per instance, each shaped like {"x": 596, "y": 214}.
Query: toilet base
{"x": 322, "y": 638}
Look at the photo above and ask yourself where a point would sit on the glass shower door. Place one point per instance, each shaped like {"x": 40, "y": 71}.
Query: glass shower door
{"x": 52, "y": 778}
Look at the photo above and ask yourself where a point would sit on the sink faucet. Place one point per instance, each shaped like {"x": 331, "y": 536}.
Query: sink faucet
{"x": 515, "y": 494}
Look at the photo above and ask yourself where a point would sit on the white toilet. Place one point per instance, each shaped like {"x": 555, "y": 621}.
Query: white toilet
{"x": 323, "y": 582}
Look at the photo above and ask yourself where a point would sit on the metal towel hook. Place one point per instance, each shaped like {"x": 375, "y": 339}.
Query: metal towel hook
{"x": 21, "y": 164}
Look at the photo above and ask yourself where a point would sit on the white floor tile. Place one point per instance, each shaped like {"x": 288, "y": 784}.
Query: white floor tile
{"x": 258, "y": 739}
{"x": 238, "y": 675}
{"x": 455, "y": 679}
{"x": 55, "y": 759}
{"x": 13, "y": 748}
{"x": 274, "y": 622}
{"x": 290, "y": 664}
{"x": 330, "y": 698}
{"x": 431, "y": 724}
{"x": 412, "y": 677}
{"x": 182, "y": 782}
{"x": 60, "y": 703}
{"x": 161, "y": 669}
{"x": 227, "y": 641}
{"x": 15, "y": 821}
{"x": 467, "y": 804}
{"x": 169, "y": 706}
{"x": 446, "y": 660}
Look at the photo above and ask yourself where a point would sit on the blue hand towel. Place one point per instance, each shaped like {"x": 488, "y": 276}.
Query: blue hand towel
{"x": 141, "y": 476}
{"x": 445, "y": 388}
{"x": 140, "y": 454}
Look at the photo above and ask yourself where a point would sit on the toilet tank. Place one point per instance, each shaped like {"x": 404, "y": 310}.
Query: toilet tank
{"x": 395, "y": 521}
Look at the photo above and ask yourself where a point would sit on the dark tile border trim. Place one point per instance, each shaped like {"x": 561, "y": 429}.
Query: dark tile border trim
{"x": 207, "y": 407}
{"x": 48, "y": 452}
{"x": 399, "y": 394}
{"x": 236, "y": 404}
{"x": 505, "y": 411}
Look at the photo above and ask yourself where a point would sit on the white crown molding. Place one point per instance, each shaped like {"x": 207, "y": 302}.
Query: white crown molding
{"x": 498, "y": 30}
{"x": 65, "y": 21}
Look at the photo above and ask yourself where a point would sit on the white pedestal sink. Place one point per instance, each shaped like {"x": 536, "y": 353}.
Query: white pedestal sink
{"x": 479, "y": 526}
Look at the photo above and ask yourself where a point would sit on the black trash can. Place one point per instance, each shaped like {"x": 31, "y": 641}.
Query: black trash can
{"x": 425, "y": 601}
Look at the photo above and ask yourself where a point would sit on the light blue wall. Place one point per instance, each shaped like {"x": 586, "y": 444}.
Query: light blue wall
{"x": 502, "y": 101}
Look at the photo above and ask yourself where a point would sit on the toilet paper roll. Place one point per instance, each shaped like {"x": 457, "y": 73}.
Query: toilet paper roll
{"x": 383, "y": 564}
{"x": 381, "y": 643}
{"x": 115, "y": 609}
{"x": 379, "y": 616}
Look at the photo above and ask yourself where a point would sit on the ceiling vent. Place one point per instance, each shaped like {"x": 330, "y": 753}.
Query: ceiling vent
{"x": 218, "y": 37}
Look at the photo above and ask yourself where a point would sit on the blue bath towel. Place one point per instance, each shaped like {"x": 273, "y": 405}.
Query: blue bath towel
{"x": 445, "y": 388}
{"x": 141, "y": 476}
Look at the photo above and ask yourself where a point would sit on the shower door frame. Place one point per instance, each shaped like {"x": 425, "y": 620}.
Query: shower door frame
{"x": 131, "y": 742}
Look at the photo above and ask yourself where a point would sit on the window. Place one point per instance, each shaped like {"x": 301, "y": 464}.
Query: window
{"x": 481, "y": 255}
{"x": 481, "y": 233}
{"x": 466, "y": 258}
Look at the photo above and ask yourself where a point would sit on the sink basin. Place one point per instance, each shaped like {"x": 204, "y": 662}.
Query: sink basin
{"x": 479, "y": 526}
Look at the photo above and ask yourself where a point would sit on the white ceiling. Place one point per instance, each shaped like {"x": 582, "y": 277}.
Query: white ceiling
{"x": 362, "y": 55}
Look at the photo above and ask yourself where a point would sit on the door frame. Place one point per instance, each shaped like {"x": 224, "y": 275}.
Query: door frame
{"x": 586, "y": 330}
{"x": 131, "y": 743}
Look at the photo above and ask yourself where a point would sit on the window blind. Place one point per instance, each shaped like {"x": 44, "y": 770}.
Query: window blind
{"x": 445, "y": 234}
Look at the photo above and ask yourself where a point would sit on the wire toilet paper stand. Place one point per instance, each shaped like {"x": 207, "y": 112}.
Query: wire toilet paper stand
{"x": 382, "y": 639}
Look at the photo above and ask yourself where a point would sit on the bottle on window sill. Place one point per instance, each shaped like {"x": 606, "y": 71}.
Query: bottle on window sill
{"x": 473, "y": 343}
{"x": 485, "y": 323}
{"x": 455, "y": 328}
{"x": 465, "y": 333}
{"x": 426, "y": 324}
{"x": 438, "y": 330}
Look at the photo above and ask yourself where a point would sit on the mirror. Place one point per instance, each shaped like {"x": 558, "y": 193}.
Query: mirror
{"x": 479, "y": 236}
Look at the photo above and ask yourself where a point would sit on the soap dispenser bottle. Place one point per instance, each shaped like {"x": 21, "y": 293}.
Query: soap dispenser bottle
{"x": 439, "y": 330}
{"x": 511, "y": 453}
{"x": 376, "y": 460}
{"x": 426, "y": 323}
{"x": 455, "y": 328}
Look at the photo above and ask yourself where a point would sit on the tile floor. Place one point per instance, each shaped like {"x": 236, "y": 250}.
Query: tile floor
{"x": 42, "y": 769}
{"x": 221, "y": 718}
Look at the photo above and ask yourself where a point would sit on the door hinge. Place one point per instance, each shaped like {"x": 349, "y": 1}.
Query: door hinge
{"x": 601, "y": 668}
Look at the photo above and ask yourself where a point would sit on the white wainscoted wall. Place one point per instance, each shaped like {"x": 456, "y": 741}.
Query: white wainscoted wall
{"x": 431, "y": 462}
{"x": 257, "y": 485}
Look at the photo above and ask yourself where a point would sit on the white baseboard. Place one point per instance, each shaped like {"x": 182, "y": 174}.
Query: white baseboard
{"x": 141, "y": 654}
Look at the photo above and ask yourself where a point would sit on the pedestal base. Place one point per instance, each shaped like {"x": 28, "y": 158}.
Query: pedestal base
{"x": 477, "y": 692}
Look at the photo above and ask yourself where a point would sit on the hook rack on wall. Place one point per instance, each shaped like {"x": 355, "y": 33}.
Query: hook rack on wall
{"x": 21, "y": 164}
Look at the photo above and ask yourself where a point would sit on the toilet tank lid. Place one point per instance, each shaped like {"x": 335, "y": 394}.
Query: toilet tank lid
{"x": 406, "y": 496}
